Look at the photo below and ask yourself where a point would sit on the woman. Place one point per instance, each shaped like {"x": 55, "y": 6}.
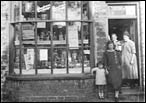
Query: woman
{"x": 118, "y": 44}
{"x": 112, "y": 62}
{"x": 129, "y": 61}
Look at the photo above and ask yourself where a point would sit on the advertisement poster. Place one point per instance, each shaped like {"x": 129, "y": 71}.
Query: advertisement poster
{"x": 29, "y": 59}
{"x": 73, "y": 36}
{"x": 43, "y": 54}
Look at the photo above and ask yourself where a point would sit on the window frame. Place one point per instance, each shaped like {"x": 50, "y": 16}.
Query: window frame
{"x": 36, "y": 48}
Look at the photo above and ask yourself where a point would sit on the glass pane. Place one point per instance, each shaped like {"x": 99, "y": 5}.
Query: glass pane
{"x": 28, "y": 57}
{"x": 43, "y": 10}
{"x": 75, "y": 60}
{"x": 87, "y": 59}
{"x": 74, "y": 10}
{"x": 86, "y": 34}
{"x": 58, "y": 10}
{"x": 16, "y": 10}
{"x": 59, "y": 34}
{"x": 28, "y": 10}
{"x": 85, "y": 12}
{"x": 59, "y": 60}
{"x": 16, "y": 61}
{"x": 28, "y": 33}
{"x": 17, "y": 34}
{"x": 44, "y": 61}
{"x": 74, "y": 34}
{"x": 44, "y": 33}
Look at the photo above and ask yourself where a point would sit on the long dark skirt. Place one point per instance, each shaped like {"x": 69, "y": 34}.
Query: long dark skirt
{"x": 115, "y": 78}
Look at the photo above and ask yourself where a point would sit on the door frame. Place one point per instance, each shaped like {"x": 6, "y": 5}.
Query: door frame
{"x": 137, "y": 17}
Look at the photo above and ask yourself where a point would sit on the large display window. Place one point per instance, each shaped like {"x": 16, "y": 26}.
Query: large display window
{"x": 51, "y": 37}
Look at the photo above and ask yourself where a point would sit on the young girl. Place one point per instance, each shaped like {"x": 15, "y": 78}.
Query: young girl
{"x": 100, "y": 78}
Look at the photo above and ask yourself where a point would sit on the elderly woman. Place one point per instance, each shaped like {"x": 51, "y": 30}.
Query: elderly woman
{"x": 112, "y": 62}
{"x": 129, "y": 60}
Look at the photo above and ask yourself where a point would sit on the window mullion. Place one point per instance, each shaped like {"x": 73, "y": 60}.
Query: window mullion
{"x": 51, "y": 38}
{"x": 35, "y": 64}
{"x": 67, "y": 48}
{"x": 20, "y": 56}
{"x": 82, "y": 37}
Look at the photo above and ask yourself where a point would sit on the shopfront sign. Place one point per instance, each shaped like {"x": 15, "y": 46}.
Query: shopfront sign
{"x": 122, "y": 10}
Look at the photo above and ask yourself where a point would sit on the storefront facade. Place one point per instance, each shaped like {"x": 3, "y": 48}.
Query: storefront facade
{"x": 54, "y": 45}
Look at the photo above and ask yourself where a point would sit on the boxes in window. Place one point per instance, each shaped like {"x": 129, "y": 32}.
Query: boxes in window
{"x": 27, "y": 31}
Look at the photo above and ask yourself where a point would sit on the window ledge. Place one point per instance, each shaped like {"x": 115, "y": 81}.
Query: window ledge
{"x": 50, "y": 77}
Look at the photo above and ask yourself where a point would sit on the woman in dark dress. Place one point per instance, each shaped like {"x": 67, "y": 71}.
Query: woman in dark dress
{"x": 112, "y": 61}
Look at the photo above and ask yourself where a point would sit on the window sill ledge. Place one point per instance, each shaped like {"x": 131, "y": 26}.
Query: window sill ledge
{"x": 50, "y": 77}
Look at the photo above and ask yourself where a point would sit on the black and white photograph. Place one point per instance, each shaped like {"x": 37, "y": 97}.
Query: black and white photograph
{"x": 72, "y": 51}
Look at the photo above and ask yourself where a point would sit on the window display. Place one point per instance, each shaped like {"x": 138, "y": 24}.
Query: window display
{"x": 28, "y": 10}
{"x": 58, "y": 10}
{"x": 43, "y": 10}
{"x": 74, "y": 10}
{"x": 59, "y": 58}
{"x": 51, "y": 37}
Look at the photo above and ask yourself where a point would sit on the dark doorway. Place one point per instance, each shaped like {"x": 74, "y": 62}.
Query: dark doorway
{"x": 118, "y": 26}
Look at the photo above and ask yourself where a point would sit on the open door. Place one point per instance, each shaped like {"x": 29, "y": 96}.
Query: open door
{"x": 118, "y": 26}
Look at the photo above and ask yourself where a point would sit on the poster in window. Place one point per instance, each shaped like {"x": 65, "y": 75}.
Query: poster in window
{"x": 73, "y": 36}
{"x": 43, "y": 54}
{"x": 29, "y": 59}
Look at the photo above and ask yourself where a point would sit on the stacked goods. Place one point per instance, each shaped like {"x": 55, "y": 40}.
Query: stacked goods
{"x": 27, "y": 31}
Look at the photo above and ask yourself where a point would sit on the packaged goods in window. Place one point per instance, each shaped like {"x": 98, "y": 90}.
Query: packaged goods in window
{"x": 28, "y": 6}
{"x": 27, "y": 31}
{"x": 29, "y": 59}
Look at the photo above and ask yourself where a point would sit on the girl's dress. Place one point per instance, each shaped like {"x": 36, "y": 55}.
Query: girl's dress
{"x": 112, "y": 61}
{"x": 100, "y": 76}
{"x": 129, "y": 71}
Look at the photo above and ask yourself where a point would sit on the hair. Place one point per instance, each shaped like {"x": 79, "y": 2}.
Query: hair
{"x": 100, "y": 62}
{"x": 109, "y": 42}
{"x": 113, "y": 34}
{"x": 126, "y": 33}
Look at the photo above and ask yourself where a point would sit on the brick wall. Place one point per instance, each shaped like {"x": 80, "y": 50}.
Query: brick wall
{"x": 99, "y": 12}
{"x": 52, "y": 89}
{"x": 4, "y": 42}
{"x": 142, "y": 25}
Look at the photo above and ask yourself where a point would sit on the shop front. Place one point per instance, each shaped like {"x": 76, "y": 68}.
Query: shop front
{"x": 55, "y": 44}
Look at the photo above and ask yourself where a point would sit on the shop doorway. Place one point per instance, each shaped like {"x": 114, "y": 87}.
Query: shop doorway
{"x": 118, "y": 26}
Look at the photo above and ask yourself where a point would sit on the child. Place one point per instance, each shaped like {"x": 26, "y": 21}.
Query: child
{"x": 100, "y": 78}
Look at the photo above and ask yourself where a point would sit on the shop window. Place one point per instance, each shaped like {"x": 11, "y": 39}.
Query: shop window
{"x": 51, "y": 37}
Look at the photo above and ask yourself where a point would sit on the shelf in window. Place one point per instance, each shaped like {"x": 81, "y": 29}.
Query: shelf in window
{"x": 45, "y": 42}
